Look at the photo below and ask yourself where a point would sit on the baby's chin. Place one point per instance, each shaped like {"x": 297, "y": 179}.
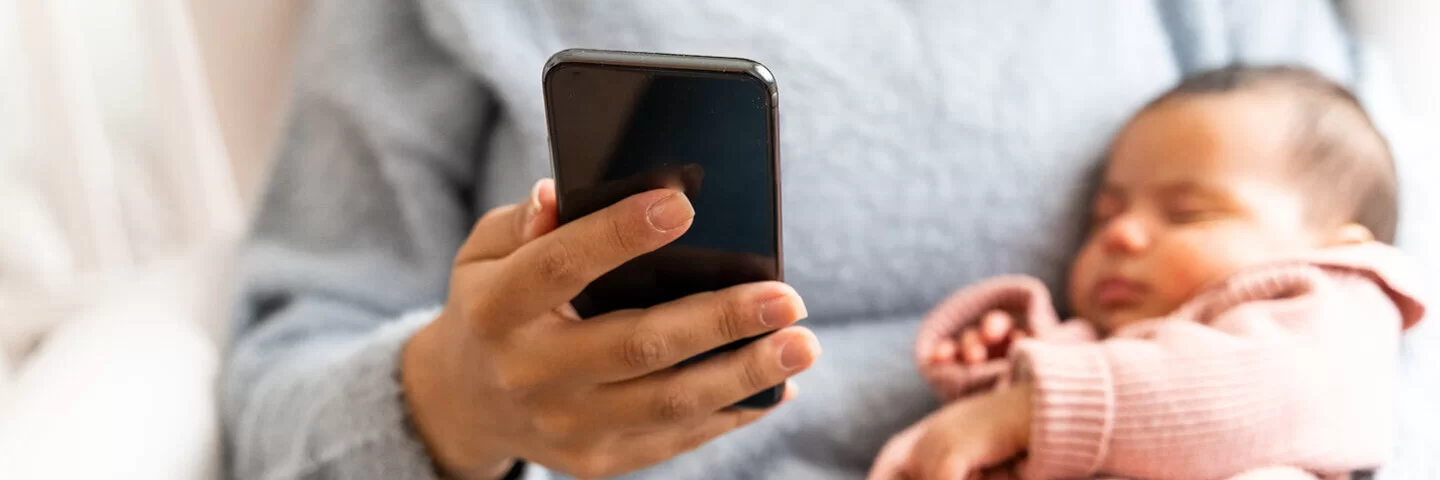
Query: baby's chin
{"x": 1119, "y": 318}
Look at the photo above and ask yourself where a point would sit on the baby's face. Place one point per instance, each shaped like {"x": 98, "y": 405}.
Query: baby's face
{"x": 1196, "y": 188}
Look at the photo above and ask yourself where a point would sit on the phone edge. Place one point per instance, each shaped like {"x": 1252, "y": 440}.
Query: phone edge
{"x": 749, "y": 67}
{"x": 664, "y": 60}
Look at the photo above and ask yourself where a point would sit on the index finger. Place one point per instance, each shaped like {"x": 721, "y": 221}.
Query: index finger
{"x": 555, "y": 267}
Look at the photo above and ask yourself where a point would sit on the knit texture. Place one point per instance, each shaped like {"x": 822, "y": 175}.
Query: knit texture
{"x": 1287, "y": 364}
{"x": 925, "y": 144}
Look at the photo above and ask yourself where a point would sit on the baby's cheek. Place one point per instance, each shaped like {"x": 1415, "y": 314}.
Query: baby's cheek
{"x": 1082, "y": 275}
{"x": 1182, "y": 271}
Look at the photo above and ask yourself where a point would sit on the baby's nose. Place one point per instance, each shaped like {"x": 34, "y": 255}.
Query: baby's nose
{"x": 1125, "y": 234}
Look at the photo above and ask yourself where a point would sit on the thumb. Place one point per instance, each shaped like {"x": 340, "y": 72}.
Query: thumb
{"x": 545, "y": 216}
{"x": 504, "y": 229}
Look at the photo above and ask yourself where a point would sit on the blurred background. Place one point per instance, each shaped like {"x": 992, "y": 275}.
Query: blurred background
{"x": 134, "y": 136}
{"x": 133, "y": 139}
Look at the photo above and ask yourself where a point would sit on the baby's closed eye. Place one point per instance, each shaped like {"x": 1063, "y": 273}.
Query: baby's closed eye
{"x": 1192, "y": 207}
{"x": 1183, "y": 214}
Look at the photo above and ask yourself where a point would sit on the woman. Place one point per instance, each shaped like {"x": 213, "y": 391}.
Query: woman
{"x": 925, "y": 145}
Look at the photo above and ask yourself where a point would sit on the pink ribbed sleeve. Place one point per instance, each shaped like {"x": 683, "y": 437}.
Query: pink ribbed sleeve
{"x": 1284, "y": 365}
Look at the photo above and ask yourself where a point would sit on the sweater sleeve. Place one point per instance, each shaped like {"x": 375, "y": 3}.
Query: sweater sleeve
{"x": 368, "y": 201}
{"x": 1287, "y": 366}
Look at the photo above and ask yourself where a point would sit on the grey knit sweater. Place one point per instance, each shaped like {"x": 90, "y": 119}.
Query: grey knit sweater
{"x": 925, "y": 144}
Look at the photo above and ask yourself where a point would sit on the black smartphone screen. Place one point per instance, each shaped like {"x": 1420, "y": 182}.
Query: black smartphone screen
{"x": 617, "y": 131}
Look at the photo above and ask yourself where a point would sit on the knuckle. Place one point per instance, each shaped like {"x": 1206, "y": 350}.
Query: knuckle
{"x": 621, "y": 238}
{"x": 645, "y": 350}
{"x": 558, "y": 265}
{"x": 728, "y": 316}
{"x": 676, "y": 405}
{"x": 753, "y": 376}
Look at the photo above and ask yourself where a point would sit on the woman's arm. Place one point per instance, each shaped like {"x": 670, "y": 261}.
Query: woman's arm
{"x": 366, "y": 208}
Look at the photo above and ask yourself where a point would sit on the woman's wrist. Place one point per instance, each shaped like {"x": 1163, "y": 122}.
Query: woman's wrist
{"x": 422, "y": 399}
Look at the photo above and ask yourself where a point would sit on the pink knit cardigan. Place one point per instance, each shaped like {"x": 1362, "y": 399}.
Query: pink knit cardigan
{"x": 1290, "y": 365}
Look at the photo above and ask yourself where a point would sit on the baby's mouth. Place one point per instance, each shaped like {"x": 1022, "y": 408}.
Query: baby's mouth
{"x": 1116, "y": 292}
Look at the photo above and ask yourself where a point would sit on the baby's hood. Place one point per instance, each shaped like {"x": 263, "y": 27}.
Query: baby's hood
{"x": 1395, "y": 272}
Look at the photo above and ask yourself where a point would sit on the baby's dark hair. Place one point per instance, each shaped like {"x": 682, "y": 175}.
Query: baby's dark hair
{"x": 1341, "y": 159}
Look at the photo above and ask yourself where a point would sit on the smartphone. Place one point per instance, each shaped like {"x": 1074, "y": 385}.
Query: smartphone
{"x": 622, "y": 123}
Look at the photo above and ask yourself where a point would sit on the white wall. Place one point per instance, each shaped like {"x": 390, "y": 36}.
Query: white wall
{"x": 1409, "y": 31}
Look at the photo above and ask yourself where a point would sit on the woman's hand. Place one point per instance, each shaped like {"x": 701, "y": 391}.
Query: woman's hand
{"x": 506, "y": 371}
{"x": 960, "y": 440}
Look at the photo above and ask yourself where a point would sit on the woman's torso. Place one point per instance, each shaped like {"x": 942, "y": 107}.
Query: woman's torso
{"x": 925, "y": 144}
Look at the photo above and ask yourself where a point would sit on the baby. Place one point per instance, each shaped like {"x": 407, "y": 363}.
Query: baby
{"x": 1238, "y": 307}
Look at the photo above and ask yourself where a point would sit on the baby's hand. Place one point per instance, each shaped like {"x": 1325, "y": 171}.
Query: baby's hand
{"x": 961, "y": 440}
{"x": 989, "y": 340}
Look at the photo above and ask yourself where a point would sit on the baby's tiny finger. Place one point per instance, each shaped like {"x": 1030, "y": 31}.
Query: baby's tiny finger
{"x": 972, "y": 349}
{"x": 994, "y": 326}
{"x": 1002, "y": 348}
{"x": 945, "y": 352}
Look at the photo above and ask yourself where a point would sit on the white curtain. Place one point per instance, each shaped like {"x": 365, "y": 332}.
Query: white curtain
{"x": 112, "y": 158}
{"x": 120, "y": 205}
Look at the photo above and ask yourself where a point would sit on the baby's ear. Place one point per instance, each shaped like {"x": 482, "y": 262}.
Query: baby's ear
{"x": 1350, "y": 234}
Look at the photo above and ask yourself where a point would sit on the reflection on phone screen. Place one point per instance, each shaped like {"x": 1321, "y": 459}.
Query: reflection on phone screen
{"x": 619, "y": 131}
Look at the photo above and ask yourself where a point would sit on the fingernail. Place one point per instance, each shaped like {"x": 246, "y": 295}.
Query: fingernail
{"x": 795, "y": 354}
{"x": 535, "y": 196}
{"x": 528, "y": 216}
{"x": 781, "y": 311}
{"x": 670, "y": 213}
